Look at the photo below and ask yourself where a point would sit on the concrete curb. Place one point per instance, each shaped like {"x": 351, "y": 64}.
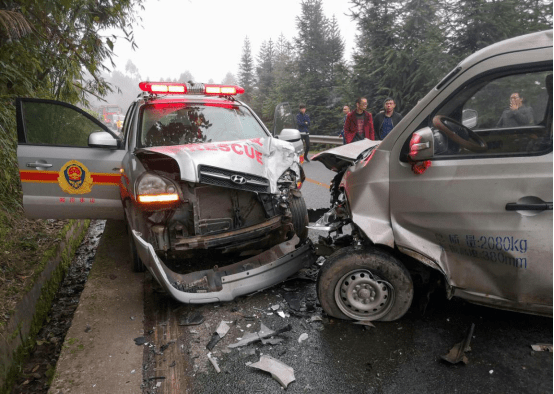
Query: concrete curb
{"x": 99, "y": 354}
{"x": 21, "y": 329}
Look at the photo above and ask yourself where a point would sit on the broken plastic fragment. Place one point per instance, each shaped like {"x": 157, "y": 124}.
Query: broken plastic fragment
{"x": 364, "y": 323}
{"x": 214, "y": 362}
{"x": 278, "y": 370}
{"x": 140, "y": 341}
{"x": 264, "y": 332}
{"x": 542, "y": 347}
{"x": 191, "y": 319}
{"x": 457, "y": 353}
{"x": 302, "y": 337}
{"x": 281, "y": 313}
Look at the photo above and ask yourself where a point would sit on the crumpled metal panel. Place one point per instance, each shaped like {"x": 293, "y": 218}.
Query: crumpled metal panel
{"x": 279, "y": 262}
{"x": 265, "y": 157}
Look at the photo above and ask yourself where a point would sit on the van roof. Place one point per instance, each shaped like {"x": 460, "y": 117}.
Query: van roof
{"x": 542, "y": 39}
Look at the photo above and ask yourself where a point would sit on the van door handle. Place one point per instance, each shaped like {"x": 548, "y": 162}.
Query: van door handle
{"x": 514, "y": 206}
{"x": 36, "y": 165}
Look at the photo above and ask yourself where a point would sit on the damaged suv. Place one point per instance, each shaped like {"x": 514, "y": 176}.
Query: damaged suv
{"x": 211, "y": 200}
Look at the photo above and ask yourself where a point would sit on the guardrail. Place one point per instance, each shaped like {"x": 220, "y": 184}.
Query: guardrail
{"x": 325, "y": 139}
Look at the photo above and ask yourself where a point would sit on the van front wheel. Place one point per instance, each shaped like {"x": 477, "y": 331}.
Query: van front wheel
{"x": 364, "y": 284}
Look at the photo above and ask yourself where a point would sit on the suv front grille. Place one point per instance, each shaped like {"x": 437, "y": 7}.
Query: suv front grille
{"x": 222, "y": 177}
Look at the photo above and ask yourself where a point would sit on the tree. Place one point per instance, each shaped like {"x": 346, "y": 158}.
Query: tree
{"x": 229, "y": 79}
{"x": 265, "y": 78}
{"x": 186, "y": 77}
{"x": 246, "y": 71}
{"x": 54, "y": 49}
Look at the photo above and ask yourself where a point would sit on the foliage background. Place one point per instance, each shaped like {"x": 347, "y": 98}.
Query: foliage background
{"x": 59, "y": 49}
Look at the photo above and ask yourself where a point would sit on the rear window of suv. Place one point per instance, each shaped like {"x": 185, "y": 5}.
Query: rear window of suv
{"x": 186, "y": 123}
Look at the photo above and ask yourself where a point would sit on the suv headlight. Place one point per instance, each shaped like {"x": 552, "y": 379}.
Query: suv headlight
{"x": 155, "y": 189}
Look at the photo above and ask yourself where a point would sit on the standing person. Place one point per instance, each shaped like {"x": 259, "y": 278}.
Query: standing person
{"x": 518, "y": 114}
{"x": 385, "y": 121}
{"x": 359, "y": 123}
{"x": 345, "y": 111}
{"x": 303, "y": 124}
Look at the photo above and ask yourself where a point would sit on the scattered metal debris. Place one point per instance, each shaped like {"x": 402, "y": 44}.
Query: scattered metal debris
{"x": 193, "y": 318}
{"x": 214, "y": 362}
{"x": 278, "y": 370}
{"x": 457, "y": 353}
{"x": 302, "y": 337}
{"x": 258, "y": 336}
{"x": 542, "y": 347}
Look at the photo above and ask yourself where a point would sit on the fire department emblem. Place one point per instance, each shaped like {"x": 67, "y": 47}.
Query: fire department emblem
{"x": 75, "y": 178}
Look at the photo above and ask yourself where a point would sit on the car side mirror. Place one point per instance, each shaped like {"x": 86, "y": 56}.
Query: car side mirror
{"x": 422, "y": 145}
{"x": 469, "y": 118}
{"x": 290, "y": 135}
{"x": 102, "y": 139}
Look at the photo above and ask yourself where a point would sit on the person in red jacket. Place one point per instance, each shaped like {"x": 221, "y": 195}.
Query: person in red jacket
{"x": 359, "y": 123}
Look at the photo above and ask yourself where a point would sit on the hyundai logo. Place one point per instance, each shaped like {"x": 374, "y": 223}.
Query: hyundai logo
{"x": 240, "y": 180}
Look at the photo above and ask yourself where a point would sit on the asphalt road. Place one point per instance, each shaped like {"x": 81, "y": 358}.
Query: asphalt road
{"x": 339, "y": 356}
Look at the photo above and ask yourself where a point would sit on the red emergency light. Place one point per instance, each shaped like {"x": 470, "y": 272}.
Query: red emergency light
{"x": 183, "y": 88}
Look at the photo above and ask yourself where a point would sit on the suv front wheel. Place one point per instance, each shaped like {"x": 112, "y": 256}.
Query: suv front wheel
{"x": 364, "y": 284}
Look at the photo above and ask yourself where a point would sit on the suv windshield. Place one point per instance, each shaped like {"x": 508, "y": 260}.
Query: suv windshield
{"x": 187, "y": 123}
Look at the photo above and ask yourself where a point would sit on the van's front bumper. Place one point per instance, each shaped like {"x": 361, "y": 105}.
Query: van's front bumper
{"x": 228, "y": 282}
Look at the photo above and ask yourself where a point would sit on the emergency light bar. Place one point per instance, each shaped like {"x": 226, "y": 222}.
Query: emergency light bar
{"x": 185, "y": 88}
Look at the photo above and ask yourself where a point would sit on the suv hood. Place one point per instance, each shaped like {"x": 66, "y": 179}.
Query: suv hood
{"x": 264, "y": 157}
{"x": 337, "y": 159}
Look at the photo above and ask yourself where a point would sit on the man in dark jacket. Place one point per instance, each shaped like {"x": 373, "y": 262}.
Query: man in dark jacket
{"x": 359, "y": 123}
{"x": 303, "y": 124}
{"x": 385, "y": 121}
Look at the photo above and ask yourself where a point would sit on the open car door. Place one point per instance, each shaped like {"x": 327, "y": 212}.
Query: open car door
{"x": 69, "y": 162}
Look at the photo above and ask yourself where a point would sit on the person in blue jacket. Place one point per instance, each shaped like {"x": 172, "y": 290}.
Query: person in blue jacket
{"x": 303, "y": 124}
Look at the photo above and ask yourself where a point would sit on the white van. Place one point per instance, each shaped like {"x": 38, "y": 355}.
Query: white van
{"x": 462, "y": 187}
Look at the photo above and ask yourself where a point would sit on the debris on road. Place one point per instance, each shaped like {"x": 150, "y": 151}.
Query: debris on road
{"x": 278, "y": 370}
{"x": 457, "y": 353}
{"x": 264, "y": 332}
{"x": 282, "y": 314}
{"x": 366, "y": 323}
{"x": 302, "y": 337}
{"x": 293, "y": 300}
{"x": 214, "y": 362}
{"x": 193, "y": 318}
{"x": 140, "y": 341}
{"x": 219, "y": 333}
{"x": 542, "y": 347}
{"x": 316, "y": 318}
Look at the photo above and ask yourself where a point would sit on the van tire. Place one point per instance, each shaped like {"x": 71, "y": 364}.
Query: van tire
{"x": 299, "y": 217}
{"x": 358, "y": 283}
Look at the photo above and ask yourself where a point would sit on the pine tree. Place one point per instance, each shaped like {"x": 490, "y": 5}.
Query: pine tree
{"x": 246, "y": 71}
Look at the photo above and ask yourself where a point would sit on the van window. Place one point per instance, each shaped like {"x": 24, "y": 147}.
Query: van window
{"x": 512, "y": 114}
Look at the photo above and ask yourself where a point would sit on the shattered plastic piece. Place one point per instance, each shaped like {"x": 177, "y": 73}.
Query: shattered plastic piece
{"x": 302, "y": 337}
{"x": 364, "y": 323}
{"x": 542, "y": 347}
{"x": 281, "y": 313}
{"x": 258, "y": 336}
{"x": 222, "y": 329}
{"x": 275, "y": 307}
{"x": 213, "y": 341}
{"x": 457, "y": 353}
{"x": 191, "y": 319}
{"x": 293, "y": 301}
{"x": 278, "y": 370}
{"x": 272, "y": 341}
{"x": 140, "y": 341}
{"x": 214, "y": 362}
{"x": 316, "y": 318}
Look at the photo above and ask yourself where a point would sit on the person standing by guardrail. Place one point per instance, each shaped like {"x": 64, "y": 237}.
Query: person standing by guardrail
{"x": 385, "y": 121}
{"x": 345, "y": 111}
{"x": 359, "y": 123}
{"x": 303, "y": 124}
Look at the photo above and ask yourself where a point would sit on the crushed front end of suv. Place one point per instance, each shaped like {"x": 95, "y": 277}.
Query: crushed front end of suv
{"x": 211, "y": 200}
